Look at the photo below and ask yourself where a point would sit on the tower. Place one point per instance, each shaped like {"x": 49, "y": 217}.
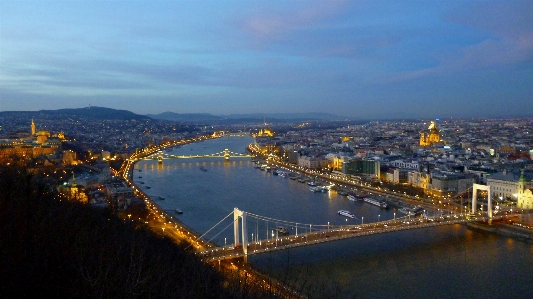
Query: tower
{"x": 521, "y": 183}
{"x": 32, "y": 127}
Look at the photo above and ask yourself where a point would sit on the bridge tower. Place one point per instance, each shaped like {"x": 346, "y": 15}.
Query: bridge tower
{"x": 476, "y": 187}
{"x": 226, "y": 154}
{"x": 242, "y": 215}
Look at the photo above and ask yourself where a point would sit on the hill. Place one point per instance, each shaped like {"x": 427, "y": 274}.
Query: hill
{"x": 252, "y": 117}
{"x": 87, "y": 112}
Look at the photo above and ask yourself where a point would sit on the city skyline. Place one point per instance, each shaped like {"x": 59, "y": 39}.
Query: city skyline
{"x": 360, "y": 59}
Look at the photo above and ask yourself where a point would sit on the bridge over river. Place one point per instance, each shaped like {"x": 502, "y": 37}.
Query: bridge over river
{"x": 284, "y": 235}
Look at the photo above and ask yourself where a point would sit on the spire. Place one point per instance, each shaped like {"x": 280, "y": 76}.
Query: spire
{"x": 32, "y": 127}
{"x": 522, "y": 178}
{"x": 74, "y": 181}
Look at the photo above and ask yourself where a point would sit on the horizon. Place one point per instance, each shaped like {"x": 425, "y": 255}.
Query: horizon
{"x": 355, "y": 59}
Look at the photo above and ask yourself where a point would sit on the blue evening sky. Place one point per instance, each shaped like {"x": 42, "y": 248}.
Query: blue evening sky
{"x": 367, "y": 59}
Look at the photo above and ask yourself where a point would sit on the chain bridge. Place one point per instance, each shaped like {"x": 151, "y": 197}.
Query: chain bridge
{"x": 226, "y": 154}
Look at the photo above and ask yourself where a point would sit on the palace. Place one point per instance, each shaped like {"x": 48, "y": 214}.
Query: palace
{"x": 37, "y": 144}
{"x": 430, "y": 137}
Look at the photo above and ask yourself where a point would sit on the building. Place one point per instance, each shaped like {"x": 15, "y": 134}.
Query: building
{"x": 430, "y": 137}
{"x": 525, "y": 195}
{"x": 368, "y": 168}
{"x": 506, "y": 185}
{"x": 38, "y": 143}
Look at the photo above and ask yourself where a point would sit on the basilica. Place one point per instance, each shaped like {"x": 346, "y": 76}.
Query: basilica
{"x": 431, "y": 137}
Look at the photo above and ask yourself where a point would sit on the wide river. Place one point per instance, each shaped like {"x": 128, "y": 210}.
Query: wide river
{"x": 443, "y": 262}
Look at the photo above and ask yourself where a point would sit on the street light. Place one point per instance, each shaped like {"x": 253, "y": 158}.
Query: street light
{"x": 378, "y": 217}
{"x": 362, "y": 220}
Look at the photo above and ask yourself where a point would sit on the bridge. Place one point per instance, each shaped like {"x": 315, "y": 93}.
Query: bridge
{"x": 283, "y": 235}
{"x": 226, "y": 154}
{"x": 277, "y": 234}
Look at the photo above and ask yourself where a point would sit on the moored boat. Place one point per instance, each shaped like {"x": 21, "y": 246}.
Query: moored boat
{"x": 179, "y": 211}
{"x": 345, "y": 213}
{"x": 372, "y": 201}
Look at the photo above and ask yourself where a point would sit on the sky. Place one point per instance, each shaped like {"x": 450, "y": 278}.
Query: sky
{"x": 359, "y": 59}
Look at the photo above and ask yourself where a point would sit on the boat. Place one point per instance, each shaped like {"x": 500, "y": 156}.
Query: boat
{"x": 179, "y": 211}
{"x": 343, "y": 193}
{"x": 301, "y": 180}
{"x": 203, "y": 168}
{"x": 380, "y": 204}
{"x": 353, "y": 197}
{"x": 311, "y": 183}
{"x": 141, "y": 182}
{"x": 345, "y": 213}
{"x": 313, "y": 189}
{"x": 140, "y": 177}
{"x": 148, "y": 187}
{"x": 292, "y": 178}
{"x": 321, "y": 189}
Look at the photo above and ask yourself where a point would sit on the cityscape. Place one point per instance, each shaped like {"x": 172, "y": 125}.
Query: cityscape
{"x": 281, "y": 149}
{"x": 422, "y": 174}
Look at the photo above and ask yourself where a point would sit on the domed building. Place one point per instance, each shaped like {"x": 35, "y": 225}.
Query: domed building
{"x": 431, "y": 136}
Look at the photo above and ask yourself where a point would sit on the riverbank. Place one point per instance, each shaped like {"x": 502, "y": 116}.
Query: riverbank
{"x": 506, "y": 230}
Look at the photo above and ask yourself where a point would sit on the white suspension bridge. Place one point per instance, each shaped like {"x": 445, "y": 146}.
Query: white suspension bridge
{"x": 255, "y": 234}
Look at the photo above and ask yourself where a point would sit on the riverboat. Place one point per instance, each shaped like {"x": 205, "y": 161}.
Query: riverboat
{"x": 345, "y": 213}
{"x": 380, "y": 204}
{"x": 352, "y": 197}
{"x": 179, "y": 211}
{"x": 313, "y": 189}
{"x": 203, "y": 168}
{"x": 148, "y": 187}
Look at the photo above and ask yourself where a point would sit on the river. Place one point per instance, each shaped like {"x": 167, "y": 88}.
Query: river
{"x": 441, "y": 262}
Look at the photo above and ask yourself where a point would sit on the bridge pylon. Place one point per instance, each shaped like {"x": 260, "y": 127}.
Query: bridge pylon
{"x": 226, "y": 154}
{"x": 242, "y": 215}
{"x": 476, "y": 187}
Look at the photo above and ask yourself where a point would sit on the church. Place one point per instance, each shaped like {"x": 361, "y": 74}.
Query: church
{"x": 525, "y": 196}
{"x": 431, "y": 137}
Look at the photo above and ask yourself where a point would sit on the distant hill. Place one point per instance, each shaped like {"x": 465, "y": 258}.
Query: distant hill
{"x": 290, "y": 116}
{"x": 270, "y": 117}
{"x": 185, "y": 117}
{"x": 90, "y": 112}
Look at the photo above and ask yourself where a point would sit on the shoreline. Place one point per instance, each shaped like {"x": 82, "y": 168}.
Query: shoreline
{"x": 505, "y": 230}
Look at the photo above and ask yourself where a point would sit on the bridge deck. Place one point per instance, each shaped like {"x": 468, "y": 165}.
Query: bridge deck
{"x": 286, "y": 242}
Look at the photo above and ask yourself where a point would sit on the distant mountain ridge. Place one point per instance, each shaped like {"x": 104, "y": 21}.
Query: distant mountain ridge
{"x": 269, "y": 117}
{"x": 90, "y": 112}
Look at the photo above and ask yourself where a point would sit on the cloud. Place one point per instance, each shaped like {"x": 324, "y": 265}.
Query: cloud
{"x": 509, "y": 30}
{"x": 270, "y": 24}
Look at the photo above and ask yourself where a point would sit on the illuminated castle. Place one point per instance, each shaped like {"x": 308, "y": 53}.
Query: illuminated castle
{"x": 430, "y": 137}
{"x": 37, "y": 144}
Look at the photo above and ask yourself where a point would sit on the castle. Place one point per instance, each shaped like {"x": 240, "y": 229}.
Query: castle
{"x": 37, "y": 144}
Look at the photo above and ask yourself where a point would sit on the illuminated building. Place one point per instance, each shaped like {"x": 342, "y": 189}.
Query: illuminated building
{"x": 525, "y": 195}
{"x": 37, "y": 144}
{"x": 430, "y": 137}
{"x": 508, "y": 184}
